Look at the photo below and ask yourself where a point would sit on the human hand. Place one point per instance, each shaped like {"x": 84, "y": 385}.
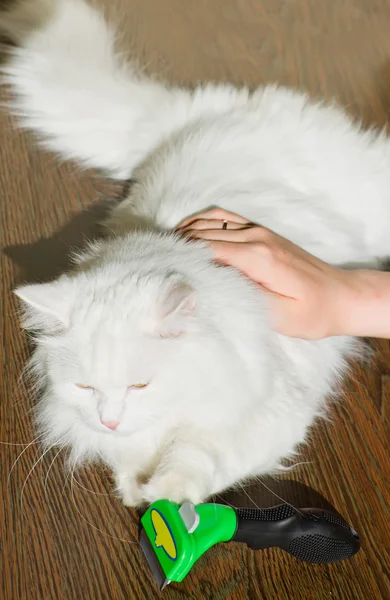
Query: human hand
{"x": 306, "y": 295}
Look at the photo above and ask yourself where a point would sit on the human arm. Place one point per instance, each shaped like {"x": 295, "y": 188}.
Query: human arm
{"x": 309, "y": 298}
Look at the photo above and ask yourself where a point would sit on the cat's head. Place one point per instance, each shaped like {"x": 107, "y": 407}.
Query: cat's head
{"x": 114, "y": 347}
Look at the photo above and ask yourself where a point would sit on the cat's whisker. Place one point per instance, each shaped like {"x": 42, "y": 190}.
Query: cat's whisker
{"x": 25, "y": 483}
{"x": 39, "y": 460}
{"x": 250, "y": 498}
{"x": 18, "y": 444}
{"x": 29, "y": 392}
{"x": 50, "y": 467}
{"x": 20, "y": 383}
{"x": 290, "y": 468}
{"x": 22, "y": 401}
{"x": 88, "y": 490}
{"x": 35, "y": 441}
{"x": 30, "y": 410}
{"x": 276, "y": 495}
{"x": 36, "y": 463}
{"x": 91, "y": 524}
{"x": 67, "y": 477}
{"x": 226, "y": 502}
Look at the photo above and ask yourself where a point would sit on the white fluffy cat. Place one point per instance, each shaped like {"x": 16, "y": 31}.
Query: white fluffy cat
{"x": 152, "y": 358}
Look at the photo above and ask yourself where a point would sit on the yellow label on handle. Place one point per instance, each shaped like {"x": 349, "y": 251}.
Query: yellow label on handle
{"x": 164, "y": 538}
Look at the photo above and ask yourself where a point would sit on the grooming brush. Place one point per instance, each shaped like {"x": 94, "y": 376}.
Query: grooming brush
{"x": 173, "y": 536}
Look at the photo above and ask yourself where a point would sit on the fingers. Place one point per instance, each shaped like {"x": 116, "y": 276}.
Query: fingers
{"x": 217, "y": 224}
{"x": 215, "y": 214}
{"x": 233, "y": 233}
{"x": 223, "y": 235}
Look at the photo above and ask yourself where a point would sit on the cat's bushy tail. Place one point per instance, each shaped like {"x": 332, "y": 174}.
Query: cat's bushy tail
{"x": 71, "y": 87}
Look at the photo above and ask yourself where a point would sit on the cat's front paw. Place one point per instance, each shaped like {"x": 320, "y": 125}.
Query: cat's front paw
{"x": 177, "y": 487}
{"x": 128, "y": 490}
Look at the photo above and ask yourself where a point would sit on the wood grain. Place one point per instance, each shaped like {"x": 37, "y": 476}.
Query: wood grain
{"x": 70, "y": 539}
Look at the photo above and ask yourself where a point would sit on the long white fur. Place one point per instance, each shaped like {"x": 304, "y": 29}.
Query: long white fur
{"x": 227, "y": 397}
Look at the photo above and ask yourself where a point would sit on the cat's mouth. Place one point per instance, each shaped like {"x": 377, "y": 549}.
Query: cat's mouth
{"x": 112, "y": 432}
{"x": 122, "y": 430}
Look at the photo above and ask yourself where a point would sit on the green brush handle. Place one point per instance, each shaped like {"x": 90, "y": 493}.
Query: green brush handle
{"x": 218, "y": 523}
{"x": 172, "y": 544}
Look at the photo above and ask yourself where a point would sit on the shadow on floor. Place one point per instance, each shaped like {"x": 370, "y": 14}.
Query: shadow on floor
{"x": 48, "y": 258}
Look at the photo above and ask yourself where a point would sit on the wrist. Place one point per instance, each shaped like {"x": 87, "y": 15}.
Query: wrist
{"x": 364, "y": 304}
{"x": 341, "y": 288}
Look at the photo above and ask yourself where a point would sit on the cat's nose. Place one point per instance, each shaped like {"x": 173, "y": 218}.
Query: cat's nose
{"x": 110, "y": 424}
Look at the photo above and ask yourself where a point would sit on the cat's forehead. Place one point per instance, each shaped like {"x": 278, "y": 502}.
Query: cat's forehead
{"x": 106, "y": 331}
{"x": 114, "y": 357}
{"x": 112, "y": 309}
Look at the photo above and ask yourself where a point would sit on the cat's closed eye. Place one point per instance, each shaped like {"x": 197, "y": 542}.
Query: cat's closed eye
{"x": 137, "y": 386}
{"x": 134, "y": 385}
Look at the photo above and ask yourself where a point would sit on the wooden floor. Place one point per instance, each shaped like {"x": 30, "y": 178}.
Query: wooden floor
{"x": 70, "y": 539}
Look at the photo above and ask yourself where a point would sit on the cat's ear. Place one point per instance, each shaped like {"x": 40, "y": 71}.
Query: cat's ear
{"x": 45, "y": 304}
{"x": 176, "y": 306}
